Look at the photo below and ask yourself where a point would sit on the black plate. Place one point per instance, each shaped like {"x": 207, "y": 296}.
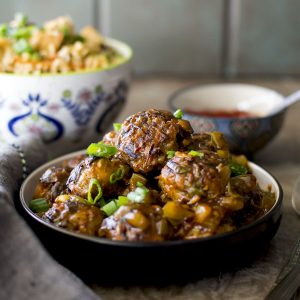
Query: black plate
{"x": 117, "y": 262}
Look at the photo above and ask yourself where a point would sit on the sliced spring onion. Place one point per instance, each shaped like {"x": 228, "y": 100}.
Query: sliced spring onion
{"x": 196, "y": 153}
{"x": 72, "y": 38}
{"x": 122, "y": 200}
{"x": 237, "y": 169}
{"x": 110, "y": 208}
{"x": 39, "y": 205}
{"x": 3, "y": 30}
{"x": 170, "y": 154}
{"x": 20, "y": 19}
{"x": 139, "y": 184}
{"x": 35, "y": 56}
{"x": 65, "y": 30}
{"x": 23, "y": 32}
{"x": 178, "y": 114}
{"x": 117, "y": 126}
{"x": 137, "y": 178}
{"x": 116, "y": 176}
{"x": 138, "y": 195}
{"x": 94, "y": 183}
{"x": 101, "y": 150}
{"x": 22, "y": 46}
{"x": 102, "y": 202}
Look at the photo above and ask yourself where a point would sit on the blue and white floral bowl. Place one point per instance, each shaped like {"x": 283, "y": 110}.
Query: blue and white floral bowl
{"x": 67, "y": 110}
{"x": 245, "y": 135}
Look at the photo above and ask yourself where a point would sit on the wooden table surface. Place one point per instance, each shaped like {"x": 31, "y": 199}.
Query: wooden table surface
{"x": 281, "y": 157}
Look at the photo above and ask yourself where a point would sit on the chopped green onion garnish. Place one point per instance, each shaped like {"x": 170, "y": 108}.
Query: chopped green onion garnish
{"x": 102, "y": 202}
{"x": 94, "y": 183}
{"x": 39, "y": 205}
{"x": 116, "y": 176}
{"x": 35, "y": 56}
{"x": 101, "y": 150}
{"x": 117, "y": 126}
{"x": 139, "y": 184}
{"x": 110, "y": 208}
{"x": 20, "y": 19}
{"x": 178, "y": 114}
{"x": 72, "y": 38}
{"x": 138, "y": 195}
{"x": 237, "y": 169}
{"x": 170, "y": 154}
{"x": 3, "y": 30}
{"x": 196, "y": 153}
{"x": 137, "y": 178}
{"x": 65, "y": 30}
{"x": 22, "y": 46}
{"x": 122, "y": 200}
{"x": 23, "y": 32}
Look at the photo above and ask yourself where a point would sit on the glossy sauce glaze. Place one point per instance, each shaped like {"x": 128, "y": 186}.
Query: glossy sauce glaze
{"x": 153, "y": 179}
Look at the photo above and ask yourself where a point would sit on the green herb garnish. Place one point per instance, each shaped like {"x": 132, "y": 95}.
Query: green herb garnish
{"x": 138, "y": 195}
{"x": 102, "y": 202}
{"x": 178, "y": 114}
{"x": 101, "y": 150}
{"x": 122, "y": 200}
{"x": 39, "y": 205}
{"x": 3, "y": 30}
{"x": 196, "y": 153}
{"x": 116, "y": 176}
{"x": 94, "y": 183}
{"x": 110, "y": 208}
{"x": 72, "y": 38}
{"x": 23, "y": 32}
{"x": 117, "y": 126}
{"x": 237, "y": 169}
{"x": 170, "y": 154}
{"x": 22, "y": 46}
{"x": 20, "y": 19}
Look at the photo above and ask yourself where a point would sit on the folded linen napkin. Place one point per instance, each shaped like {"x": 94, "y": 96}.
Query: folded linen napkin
{"x": 26, "y": 269}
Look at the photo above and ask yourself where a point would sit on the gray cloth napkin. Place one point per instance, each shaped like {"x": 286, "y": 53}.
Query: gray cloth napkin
{"x": 26, "y": 269}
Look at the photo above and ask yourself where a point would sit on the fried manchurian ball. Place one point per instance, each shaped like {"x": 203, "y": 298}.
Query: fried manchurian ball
{"x": 135, "y": 222}
{"x": 146, "y": 137}
{"x": 110, "y": 138}
{"x": 52, "y": 183}
{"x": 102, "y": 169}
{"x": 212, "y": 141}
{"x": 188, "y": 179}
{"x": 71, "y": 213}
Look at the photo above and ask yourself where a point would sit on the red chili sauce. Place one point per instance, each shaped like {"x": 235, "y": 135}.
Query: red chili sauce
{"x": 220, "y": 113}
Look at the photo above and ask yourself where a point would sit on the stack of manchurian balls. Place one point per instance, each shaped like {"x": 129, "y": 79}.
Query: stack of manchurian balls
{"x": 152, "y": 179}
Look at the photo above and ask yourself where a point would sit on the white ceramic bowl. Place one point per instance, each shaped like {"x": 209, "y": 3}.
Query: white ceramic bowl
{"x": 67, "y": 110}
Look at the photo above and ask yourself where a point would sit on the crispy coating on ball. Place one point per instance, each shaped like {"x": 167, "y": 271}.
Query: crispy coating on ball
{"x": 67, "y": 212}
{"x": 186, "y": 178}
{"x": 111, "y": 138}
{"x": 146, "y": 137}
{"x": 52, "y": 183}
{"x": 136, "y": 222}
{"x": 100, "y": 169}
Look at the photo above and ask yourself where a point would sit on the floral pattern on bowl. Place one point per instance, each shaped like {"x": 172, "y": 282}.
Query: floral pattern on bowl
{"x": 36, "y": 121}
{"x": 68, "y": 111}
